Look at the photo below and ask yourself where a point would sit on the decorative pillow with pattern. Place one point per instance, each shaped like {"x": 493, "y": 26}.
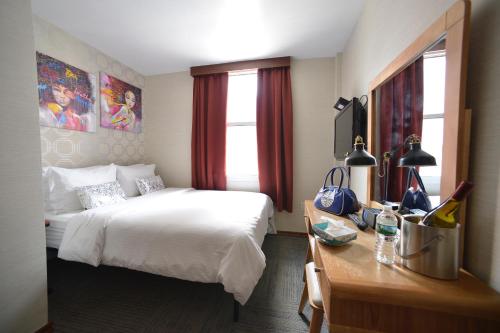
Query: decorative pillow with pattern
{"x": 93, "y": 196}
{"x": 149, "y": 184}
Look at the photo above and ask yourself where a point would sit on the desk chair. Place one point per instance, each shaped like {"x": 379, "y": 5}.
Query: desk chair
{"x": 312, "y": 292}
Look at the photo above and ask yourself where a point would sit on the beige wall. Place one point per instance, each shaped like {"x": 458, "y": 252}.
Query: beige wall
{"x": 67, "y": 148}
{"x": 168, "y": 129}
{"x": 387, "y": 27}
{"x": 23, "y": 276}
{"x": 313, "y": 91}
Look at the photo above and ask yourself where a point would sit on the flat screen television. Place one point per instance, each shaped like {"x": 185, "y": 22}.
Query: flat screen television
{"x": 349, "y": 123}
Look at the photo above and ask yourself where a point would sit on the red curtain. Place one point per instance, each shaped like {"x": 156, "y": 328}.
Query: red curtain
{"x": 401, "y": 105}
{"x": 208, "y": 138}
{"x": 275, "y": 135}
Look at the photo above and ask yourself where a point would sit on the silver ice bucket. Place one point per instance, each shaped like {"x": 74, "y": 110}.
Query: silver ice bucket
{"x": 429, "y": 251}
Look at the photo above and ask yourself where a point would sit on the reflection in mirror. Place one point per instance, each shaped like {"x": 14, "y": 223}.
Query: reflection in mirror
{"x": 411, "y": 102}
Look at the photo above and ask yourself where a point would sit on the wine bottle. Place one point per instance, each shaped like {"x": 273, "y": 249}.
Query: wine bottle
{"x": 445, "y": 215}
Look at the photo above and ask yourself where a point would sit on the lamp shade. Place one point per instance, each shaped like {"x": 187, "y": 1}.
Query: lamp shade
{"x": 359, "y": 156}
{"x": 416, "y": 156}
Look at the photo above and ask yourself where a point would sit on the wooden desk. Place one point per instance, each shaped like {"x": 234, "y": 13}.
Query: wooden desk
{"x": 362, "y": 295}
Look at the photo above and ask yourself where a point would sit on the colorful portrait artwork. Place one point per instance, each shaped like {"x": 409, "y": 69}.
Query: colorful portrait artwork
{"x": 121, "y": 105}
{"x": 66, "y": 95}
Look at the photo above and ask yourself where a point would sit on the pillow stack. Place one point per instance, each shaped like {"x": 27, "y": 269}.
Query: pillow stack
{"x": 69, "y": 190}
{"x": 60, "y": 185}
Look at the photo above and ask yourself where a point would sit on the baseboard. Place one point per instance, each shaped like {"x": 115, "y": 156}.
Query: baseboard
{"x": 292, "y": 233}
{"x": 48, "y": 328}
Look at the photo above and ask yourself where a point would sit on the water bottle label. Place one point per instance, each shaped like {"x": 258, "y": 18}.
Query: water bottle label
{"x": 387, "y": 230}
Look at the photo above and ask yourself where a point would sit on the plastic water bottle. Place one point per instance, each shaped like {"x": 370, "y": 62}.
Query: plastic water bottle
{"x": 386, "y": 230}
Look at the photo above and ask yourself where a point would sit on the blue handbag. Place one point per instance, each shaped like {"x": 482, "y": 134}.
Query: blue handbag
{"x": 336, "y": 199}
{"x": 415, "y": 198}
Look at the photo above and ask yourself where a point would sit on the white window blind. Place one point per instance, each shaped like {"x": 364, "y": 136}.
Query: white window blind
{"x": 433, "y": 122}
{"x": 241, "y": 132}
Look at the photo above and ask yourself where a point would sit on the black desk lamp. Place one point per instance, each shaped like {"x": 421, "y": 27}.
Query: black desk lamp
{"x": 359, "y": 156}
{"x": 414, "y": 157}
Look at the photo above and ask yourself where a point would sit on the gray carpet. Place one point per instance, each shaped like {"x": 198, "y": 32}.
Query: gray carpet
{"x": 109, "y": 299}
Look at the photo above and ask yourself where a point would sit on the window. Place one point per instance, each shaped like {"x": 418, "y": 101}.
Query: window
{"x": 242, "y": 170}
{"x": 432, "y": 126}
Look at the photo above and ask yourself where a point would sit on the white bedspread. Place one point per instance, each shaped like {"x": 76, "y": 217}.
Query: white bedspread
{"x": 205, "y": 236}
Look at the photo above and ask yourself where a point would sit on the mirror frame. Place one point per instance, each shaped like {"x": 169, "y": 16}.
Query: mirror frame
{"x": 454, "y": 25}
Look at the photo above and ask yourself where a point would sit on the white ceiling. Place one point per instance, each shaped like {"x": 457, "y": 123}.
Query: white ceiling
{"x": 164, "y": 36}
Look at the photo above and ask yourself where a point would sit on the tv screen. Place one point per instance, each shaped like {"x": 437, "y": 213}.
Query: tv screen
{"x": 349, "y": 123}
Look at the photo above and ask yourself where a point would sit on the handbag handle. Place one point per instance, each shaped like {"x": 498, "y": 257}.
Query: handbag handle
{"x": 414, "y": 173}
{"x": 331, "y": 173}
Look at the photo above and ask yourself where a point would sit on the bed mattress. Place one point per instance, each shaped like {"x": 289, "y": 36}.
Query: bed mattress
{"x": 55, "y": 231}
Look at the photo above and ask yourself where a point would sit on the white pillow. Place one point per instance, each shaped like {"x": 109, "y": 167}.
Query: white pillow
{"x": 93, "y": 196}
{"x": 61, "y": 184}
{"x": 149, "y": 184}
{"x": 126, "y": 176}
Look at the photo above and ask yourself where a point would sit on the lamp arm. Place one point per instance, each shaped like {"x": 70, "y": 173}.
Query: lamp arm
{"x": 388, "y": 154}
{"x": 383, "y": 166}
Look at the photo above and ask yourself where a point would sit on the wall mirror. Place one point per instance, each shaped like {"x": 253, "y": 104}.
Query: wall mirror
{"x": 422, "y": 91}
{"x": 411, "y": 102}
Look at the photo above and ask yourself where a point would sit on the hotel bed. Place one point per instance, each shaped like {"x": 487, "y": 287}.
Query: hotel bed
{"x": 204, "y": 236}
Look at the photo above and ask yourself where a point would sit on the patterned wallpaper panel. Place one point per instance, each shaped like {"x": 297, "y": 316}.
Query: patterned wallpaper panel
{"x": 67, "y": 148}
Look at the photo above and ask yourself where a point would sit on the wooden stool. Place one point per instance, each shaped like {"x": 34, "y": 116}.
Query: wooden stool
{"x": 313, "y": 293}
{"x": 310, "y": 251}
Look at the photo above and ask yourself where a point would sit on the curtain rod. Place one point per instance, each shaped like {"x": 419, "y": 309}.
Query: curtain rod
{"x": 240, "y": 65}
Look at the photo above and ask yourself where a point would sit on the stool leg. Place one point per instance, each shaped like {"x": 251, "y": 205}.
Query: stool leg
{"x": 309, "y": 258}
{"x": 316, "y": 321}
{"x": 303, "y": 299}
